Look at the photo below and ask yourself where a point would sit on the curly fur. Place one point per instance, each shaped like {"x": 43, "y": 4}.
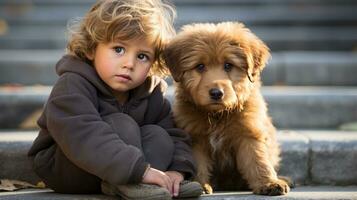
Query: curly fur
{"x": 233, "y": 136}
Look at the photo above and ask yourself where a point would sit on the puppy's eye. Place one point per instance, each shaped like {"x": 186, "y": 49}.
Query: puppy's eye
{"x": 228, "y": 67}
{"x": 200, "y": 68}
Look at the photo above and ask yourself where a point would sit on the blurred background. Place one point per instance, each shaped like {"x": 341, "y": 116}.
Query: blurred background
{"x": 310, "y": 82}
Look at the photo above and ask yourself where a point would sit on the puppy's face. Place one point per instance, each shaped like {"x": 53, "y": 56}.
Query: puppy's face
{"x": 215, "y": 71}
{"x": 216, "y": 64}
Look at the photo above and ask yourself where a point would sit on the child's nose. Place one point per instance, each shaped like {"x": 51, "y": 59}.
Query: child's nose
{"x": 129, "y": 61}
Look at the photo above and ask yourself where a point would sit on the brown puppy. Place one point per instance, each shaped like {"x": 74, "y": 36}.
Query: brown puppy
{"x": 218, "y": 101}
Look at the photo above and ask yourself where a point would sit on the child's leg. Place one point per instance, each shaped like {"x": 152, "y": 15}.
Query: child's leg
{"x": 126, "y": 128}
{"x": 158, "y": 146}
{"x": 154, "y": 141}
{"x": 62, "y": 175}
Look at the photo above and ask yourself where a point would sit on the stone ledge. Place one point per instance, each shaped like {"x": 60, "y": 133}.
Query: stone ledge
{"x": 189, "y": 2}
{"x": 13, "y": 155}
{"x": 290, "y": 107}
{"x": 299, "y": 193}
{"x": 278, "y": 38}
{"x": 333, "y": 158}
{"x": 257, "y": 14}
{"x": 309, "y": 157}
{"x": 311, "y": 68}
{"x": 295, "y": 156}
{"x": 285, "y": 68}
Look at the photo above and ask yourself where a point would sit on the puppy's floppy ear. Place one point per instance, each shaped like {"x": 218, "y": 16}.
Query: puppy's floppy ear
{"x": 259, "y": 55}
{"x": 172, "y": 54}
{"x": 257, "y": 52}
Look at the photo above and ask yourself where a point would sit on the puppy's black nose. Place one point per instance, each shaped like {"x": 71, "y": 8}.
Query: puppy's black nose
{"x": 216, "y": 94}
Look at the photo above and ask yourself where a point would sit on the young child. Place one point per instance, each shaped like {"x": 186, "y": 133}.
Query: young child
{"x": 106, "y": 126}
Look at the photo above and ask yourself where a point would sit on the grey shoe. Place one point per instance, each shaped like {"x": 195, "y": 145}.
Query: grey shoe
{"x": 138, "y": 191}
{"x": 190, "y": 189}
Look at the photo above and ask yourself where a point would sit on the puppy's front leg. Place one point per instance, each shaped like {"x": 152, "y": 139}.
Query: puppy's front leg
{"x": 253, "y": 162}
{"x": 204, "y": 166}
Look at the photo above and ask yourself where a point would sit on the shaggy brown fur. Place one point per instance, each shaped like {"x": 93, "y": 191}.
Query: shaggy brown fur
{"x": 218, "y": 101}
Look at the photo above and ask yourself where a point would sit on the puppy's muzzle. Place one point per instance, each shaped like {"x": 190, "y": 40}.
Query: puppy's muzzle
{"x": 216, "y": 94}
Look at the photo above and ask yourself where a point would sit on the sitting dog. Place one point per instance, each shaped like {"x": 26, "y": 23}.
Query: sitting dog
{"x": 216, "y": 68}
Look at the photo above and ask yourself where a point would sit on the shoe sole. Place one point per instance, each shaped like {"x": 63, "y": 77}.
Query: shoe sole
{"x": 106, "y": 190}
{"x": 191, "y": 192}
{"x": 156, "y": 197}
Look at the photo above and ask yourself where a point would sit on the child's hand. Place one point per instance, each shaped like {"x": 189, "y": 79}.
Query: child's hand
{"x": 154, "y": 176}
{"x": 176, "y": 178}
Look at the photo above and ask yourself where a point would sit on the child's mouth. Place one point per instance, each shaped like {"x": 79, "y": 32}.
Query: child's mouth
{"x": 123, "y": 77}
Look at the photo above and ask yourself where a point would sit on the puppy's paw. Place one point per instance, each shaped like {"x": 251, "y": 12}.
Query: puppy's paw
{"x": 273, "y": 188}
{"x": 207, "y": 188}
{"x": 288, "y": 180}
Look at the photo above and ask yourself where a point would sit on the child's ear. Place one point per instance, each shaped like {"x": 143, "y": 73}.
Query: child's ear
{"x": 90, "y": 54}
{"x": 171, "y": 57}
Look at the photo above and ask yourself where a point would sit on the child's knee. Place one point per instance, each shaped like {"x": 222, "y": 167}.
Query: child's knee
{"x": 155, "y": 137}
{"x": 126, "y": 127}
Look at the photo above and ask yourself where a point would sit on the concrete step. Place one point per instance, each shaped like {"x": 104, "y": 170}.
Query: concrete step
{"x": 308, "y": 38}
{"x": 289, "y": 107}
{"x": 301, "y": 68}
{"x": 29, "y": 66}
{"x": 19, "y": 105}
{"x": 34, "y": 37}
{"x": 278, "y": 38}
{"x": 309, "y": 157}
{"x": 47, "y": 194}
{"x": 311, "y": 107}
{"x": 290, "y": 12}
{"x": 299, "y": 193}
{"x": 270, "y": 14}
{"x": 179, "y": 2}
{"x": 285, "y": 68}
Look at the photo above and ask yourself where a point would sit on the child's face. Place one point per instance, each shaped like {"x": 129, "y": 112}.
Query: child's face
{"x": 123, "y": 65}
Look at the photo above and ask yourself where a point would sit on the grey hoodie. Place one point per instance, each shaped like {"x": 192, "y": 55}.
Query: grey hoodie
{"x": 73, "y": 120}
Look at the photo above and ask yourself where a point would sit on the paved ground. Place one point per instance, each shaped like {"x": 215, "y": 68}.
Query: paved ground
{"x": 299, "y": 193}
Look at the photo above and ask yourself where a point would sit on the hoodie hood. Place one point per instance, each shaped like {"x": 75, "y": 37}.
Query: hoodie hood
{"x": 72, "y": 64}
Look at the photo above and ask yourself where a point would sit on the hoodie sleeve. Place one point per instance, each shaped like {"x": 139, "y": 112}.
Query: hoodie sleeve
{"x": 183, "y": 159}
{"x": 89, "y": 142}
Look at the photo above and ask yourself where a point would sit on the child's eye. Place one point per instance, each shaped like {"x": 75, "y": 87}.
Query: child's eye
{"x": 143, "y": 57}
{"x": 119, "y": 50}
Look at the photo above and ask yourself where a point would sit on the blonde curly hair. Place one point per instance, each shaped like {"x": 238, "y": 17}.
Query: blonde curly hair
{"x": 112, "y": 20}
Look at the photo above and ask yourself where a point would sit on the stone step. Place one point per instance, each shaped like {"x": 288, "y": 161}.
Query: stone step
{"x": 189, "y": 2}
{"x": 19, "y": 105}
{"x": 285, "y": 68}
{"x": 311, "y": 68}
{"x": 289, "y": 13}
{"x": 29, "y": 66}
{"x": 278, "y": 38}
{"x": 268, "y": 14}
{"x": 311, "y": 107}
{"x": 47, "y": 194}
{"x": 309, "y": 157}
{"x": 34, "y": 37}
{"x": 299, "y": 193}
{"x": 289, "y": 106}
